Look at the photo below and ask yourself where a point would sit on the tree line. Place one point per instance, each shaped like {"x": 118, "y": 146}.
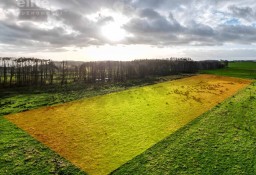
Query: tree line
{"x": 18, "y": 72}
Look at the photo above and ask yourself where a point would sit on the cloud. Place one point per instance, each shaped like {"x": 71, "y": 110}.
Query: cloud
{"x": 149, "y": 14}
{"x": 29, "y": 34}
{"x": 104, "y": 20}
{"x": 226, "y": 54}
{"x": 160, "y": 23}
{"x": 88, "y": 6}
{"x": 8, "y": 4}
{"x": 237, "y": 34}
{"x": 161, "y": 4}
{"x": 246, "y": 13}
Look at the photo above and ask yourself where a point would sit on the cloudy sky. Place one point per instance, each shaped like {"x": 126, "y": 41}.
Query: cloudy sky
{"x": 128, "y": 29}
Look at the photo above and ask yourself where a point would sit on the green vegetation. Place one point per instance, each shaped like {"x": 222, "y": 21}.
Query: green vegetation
{"x": 15, "y": 100}
{"x": 236, "y": 69}
{"x": 243, "y": 65}
{"x": 221, "y": 141}
{"x": 21, "y": 153}
{"x": 102, "y": 133}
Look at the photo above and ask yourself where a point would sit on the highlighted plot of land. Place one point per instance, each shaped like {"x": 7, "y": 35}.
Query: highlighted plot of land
{"x": 100, "y": 134}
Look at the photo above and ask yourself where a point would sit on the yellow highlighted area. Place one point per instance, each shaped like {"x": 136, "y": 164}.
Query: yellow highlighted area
{"x": 100, "y": 134}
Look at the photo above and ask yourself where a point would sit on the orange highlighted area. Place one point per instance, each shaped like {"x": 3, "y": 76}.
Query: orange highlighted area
{"x": 101, "y": 133}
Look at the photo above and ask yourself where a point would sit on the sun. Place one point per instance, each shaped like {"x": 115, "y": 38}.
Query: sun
{"x": 113, "y": 32}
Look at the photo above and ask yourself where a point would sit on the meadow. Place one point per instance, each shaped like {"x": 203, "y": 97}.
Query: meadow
{"x": 20, "y": 152}
{"x": 221, "y": 141}
{"x": 246, "y": 69}
{"x": 100, "y": 134}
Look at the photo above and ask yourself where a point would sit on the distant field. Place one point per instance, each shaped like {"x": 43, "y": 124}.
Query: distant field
{"x": 236, "y": 69}
{"x": 243, "y": 65}
{"x": 100, "y": 134}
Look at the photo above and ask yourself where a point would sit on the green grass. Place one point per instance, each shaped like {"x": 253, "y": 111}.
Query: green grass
{"x": 22, "y": 154}
{"x": 236, "y": 69}
{"x": 16, "y": 100}
{"x": 221, "y": 141}
{"x": 243, "y": 65}
{"x": 100, "y": 134}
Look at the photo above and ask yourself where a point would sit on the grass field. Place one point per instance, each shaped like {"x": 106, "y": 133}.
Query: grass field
{"x": 236, "y": 69}
{"x": 22, "y": 99}
{"x": 221, "y": 141}
{"x": 20, "y": 152}
{"x": 101, "y": 133}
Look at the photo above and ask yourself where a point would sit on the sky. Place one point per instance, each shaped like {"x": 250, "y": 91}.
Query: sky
{"x": 88, "y": 30}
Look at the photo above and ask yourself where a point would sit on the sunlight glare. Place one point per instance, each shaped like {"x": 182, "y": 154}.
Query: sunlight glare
{"x": 113, "y": 32}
